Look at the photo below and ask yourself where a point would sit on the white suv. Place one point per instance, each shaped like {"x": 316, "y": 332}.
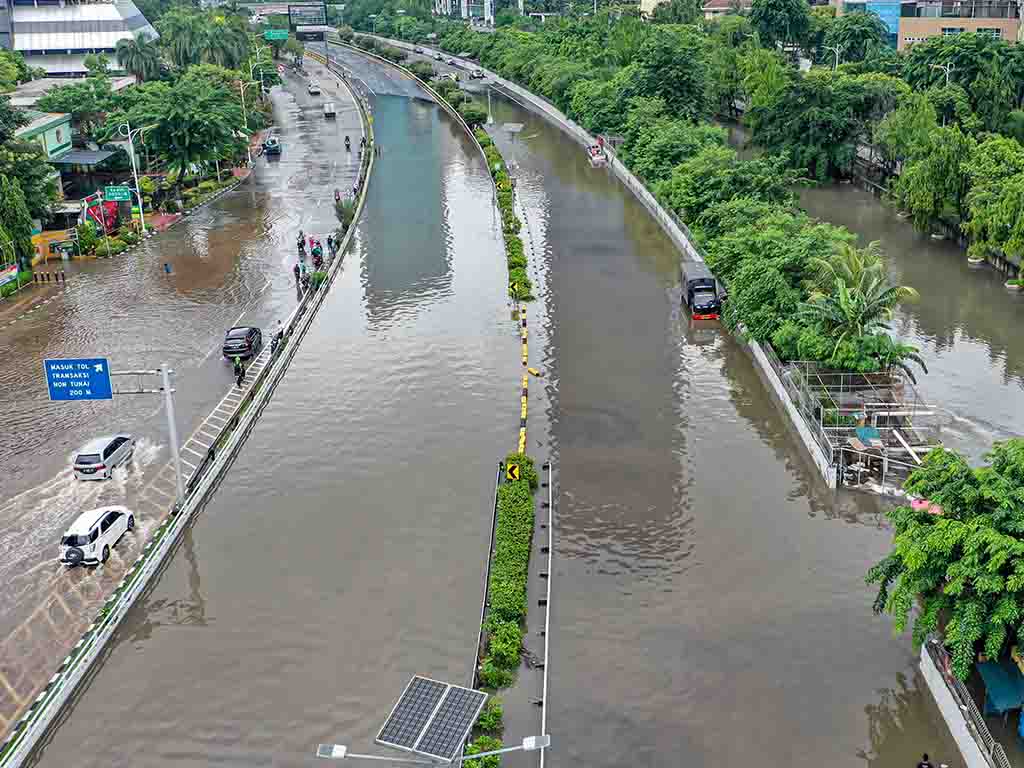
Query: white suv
{"x": 96, "y": 459}
{"x": 91, "y": 537}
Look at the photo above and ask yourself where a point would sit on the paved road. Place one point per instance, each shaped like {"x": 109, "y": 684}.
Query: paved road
{"x": 231, "y": 264}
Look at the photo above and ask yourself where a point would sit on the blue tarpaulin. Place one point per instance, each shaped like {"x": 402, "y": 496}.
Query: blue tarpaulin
{"x": 1004, "y": 686}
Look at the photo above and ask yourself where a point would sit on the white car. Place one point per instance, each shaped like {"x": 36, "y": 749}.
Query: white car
{"x": 313, "y": 88}
{"x": 93, "y": 534}
{"x": 97, "y": 459}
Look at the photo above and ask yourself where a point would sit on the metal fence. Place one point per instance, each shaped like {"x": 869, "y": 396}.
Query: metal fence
{"x": 975, "y": 720}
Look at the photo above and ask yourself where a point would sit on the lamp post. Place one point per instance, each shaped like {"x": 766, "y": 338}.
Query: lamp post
{"x": 947, "y": 68}
{"x": 125, "y": 129}
{"x": 340, "y": 752}
{"x": 245, "y": 118}
{"x": 373, "y": 16}
{"x": 837, "y": 50}
{"x": 256, "y": 63}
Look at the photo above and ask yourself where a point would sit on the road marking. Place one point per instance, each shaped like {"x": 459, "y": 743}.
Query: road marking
{"x": 197, "y": 453}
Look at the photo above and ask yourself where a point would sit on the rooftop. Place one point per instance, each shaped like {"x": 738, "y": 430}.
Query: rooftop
{"x": 40, "y": 121}
{"x": 27, "y": 94}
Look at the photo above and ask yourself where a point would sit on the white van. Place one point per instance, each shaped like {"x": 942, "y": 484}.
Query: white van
{"x": 93, "y": 534}
{"x": 97, "y": 459}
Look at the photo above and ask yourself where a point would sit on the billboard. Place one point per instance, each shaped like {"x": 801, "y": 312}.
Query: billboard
{"x": 308, "y": 15}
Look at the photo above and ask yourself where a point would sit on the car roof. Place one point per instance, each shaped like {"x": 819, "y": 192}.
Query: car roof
{"x": 97, "y": 444}
{"x": 87, "y": 520}
{"x": 241, "y": 328}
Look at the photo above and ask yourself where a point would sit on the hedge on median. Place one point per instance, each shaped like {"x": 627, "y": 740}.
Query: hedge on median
{"x": 520, "y": 287}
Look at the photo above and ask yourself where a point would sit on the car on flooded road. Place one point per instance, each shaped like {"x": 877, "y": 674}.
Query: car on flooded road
{"x": 97, "y": 459}
{"x": 93, "y": 534}
{"x": 242, "y": 341}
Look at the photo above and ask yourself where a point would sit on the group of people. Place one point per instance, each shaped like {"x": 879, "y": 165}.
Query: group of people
{"x": 316, "y": 250}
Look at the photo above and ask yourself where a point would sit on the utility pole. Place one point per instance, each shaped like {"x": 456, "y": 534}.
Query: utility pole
{"x": 836, "y": 49}
{"x": 125, "y": 129}
{"x": 948, "y": 67}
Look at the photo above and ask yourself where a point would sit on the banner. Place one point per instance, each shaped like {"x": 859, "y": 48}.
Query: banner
{"x": 8, "y": 274}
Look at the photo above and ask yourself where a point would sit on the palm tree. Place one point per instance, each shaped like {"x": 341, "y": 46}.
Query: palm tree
{"x": 139, "y": 56}
{"x": 854, "y": 311}
{"x": 849, "y": 264}
{"x": 182, "y": 34}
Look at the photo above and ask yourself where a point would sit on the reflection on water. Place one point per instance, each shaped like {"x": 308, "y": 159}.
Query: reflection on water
{"x": 711, "y": 606}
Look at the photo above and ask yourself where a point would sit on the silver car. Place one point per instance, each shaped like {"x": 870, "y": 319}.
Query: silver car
{"x": 97, "y": 459}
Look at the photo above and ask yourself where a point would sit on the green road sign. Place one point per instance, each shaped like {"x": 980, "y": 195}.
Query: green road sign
{"x": 117, "y": 194}
{"x": 275, "y": 34}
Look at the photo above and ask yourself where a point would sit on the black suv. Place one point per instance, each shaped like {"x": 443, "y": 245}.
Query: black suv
{"x": 243, "y": 341}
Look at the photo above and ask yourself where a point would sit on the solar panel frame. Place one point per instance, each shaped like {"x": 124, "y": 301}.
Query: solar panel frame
{"x": 451, "y": 723}
{"x": 402, "y": 731}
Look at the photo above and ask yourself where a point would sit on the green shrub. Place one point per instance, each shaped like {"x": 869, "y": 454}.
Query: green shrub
{"x": 128, "y": 236}
{"x": 512, "y": 540}
{"x": 7, "y": 289}
{"x": 317, "y": 278}
{"x": 490, "y": 720}
{"x": 208, "y": 186}
{"x": 87, "y": 236}
{"x": 505, "y": 643}
{"x": 473, "y": 113}
{"x": 483, "y": 138}
{"x": 491, "y": 675}
{"x": 527, "y": 471}
{"x": 505, "y": 199}
{"x": 485, "y": 744}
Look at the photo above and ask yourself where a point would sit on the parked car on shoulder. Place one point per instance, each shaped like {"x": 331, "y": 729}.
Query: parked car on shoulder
{"x": 242, "y": 341}
{"x": 97, "y": 459}
{"x": 93, "y": 534}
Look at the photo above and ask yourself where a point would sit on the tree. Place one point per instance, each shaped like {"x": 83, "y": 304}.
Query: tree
{"x": 673, "y": 65}
{"x": 765, "y": 79}
{"x": 25, "y": 165}
{"x": 16, "y": 220}
{"x": 993, "y": 93}
{"x": 780, "y": 21}
{"x": 969, "y": 53}
{"x": 345, "y": 33}
{"x": 665, "y": 143}
{"x": 821, "y": 20}
{"x": 715, "y": 175}
{"x": 600, "y": 105}
{"x": 934, "y": 182}
{"x": 86, "y": 101}
{"x": 11, "y": 119}
{"x": 677, "y": 12}
{"x": 857, "y": 33}
{"x": 97, "y": 64}
{"x": 906, "y": 130}
{"x": 995, "y": 173}
{"x": 182, "y": 35}
{"x": 192, "y": 124}
{"x": 473, "y": 113}
{"x": 139, "y": 56}
{"x": 957, "y": 561}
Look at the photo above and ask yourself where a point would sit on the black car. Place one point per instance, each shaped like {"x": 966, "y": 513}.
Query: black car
{"x": 272, "y": 146}
{"x": 243, "y": 341}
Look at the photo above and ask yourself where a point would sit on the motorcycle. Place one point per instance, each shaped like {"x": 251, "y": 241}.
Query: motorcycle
{"x": 348, "y": 145}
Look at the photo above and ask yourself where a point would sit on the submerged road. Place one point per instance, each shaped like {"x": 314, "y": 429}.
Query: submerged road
{"x": 231, "y": 263}
{"x": 345, "y": 550}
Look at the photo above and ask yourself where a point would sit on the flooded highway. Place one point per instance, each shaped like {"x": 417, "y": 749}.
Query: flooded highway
{"x": 710, "y": 603}
{"x": 345, "y": 550}
{"x": 231, "y": 263}
{"x": 710, "y": 606}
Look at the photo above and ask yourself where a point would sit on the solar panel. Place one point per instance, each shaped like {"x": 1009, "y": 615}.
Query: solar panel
{"x": 412, "y": 713}
{"x": 447, "y": 730}
{"x": 432, "y": 718}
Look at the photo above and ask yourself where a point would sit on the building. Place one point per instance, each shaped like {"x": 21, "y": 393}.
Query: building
{"x": 27, "y": 94}
{"x": 715, "y": 8}
{"x": 930, "y": 18}
{"x": 51, "y": 130}
{"x": 57, "y": 35}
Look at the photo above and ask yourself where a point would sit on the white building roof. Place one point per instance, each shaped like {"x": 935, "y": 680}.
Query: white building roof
{"x": 76, "y": 28}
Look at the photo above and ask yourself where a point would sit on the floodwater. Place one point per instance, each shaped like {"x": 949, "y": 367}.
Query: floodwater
{"x": 710, "y": 606}
{"x": 230, "y": 264}
{"x": 345, "y": 550}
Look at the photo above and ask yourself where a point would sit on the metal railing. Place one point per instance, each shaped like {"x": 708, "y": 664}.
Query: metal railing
{"x": 975, "y": 720}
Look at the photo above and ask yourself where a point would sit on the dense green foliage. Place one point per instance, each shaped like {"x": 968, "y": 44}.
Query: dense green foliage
{"x": 959, "y": 568}
{"x": 16, "y": 223}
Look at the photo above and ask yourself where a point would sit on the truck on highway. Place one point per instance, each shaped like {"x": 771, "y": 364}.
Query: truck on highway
{"x": 701, "y": 292}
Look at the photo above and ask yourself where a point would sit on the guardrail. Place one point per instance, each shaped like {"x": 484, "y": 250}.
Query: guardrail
{"x": 972, "y": 718}
{"x": 139, "y": 578}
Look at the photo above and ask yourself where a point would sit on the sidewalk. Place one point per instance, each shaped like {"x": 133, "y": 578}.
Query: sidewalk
{"x": 26, "y": 300}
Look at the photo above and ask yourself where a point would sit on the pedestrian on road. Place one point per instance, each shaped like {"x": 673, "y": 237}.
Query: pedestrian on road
{"x": 925, "y": 762}
{"x": 239, "y": 372}
{"x": 167, "y": 268}
{"x": 298, "y": 273}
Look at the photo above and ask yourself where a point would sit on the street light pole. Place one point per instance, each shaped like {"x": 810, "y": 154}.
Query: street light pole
{"x": 340, "y": 752}
{"x": 837, "y": 50}
{"x": 245, "y": 118}
{"x": 948, "y": 67}
{"x": 125, "y": 129}
{"x": 165, "y": 373}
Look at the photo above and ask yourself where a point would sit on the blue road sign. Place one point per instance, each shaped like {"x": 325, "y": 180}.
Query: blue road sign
{"x": 86, "y": 378}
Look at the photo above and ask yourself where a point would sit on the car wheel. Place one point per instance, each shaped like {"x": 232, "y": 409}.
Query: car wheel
{"x": 105, "y": 555}
{"x": 131, "y": 522}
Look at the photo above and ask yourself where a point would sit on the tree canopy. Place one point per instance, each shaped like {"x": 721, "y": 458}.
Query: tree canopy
{"x": 855, "y": 34}
{"x": 957, "y": 564}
